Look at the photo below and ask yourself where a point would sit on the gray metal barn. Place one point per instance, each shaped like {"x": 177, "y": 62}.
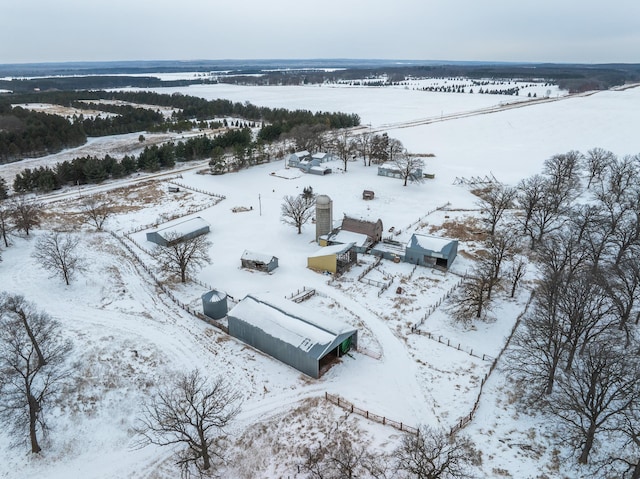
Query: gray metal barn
{"x": 294, "y": 334}
{"x": 177, "y": 232}
{"x": 431, "y": 250}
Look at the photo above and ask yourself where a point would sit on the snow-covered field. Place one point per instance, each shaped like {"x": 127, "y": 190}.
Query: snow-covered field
{"x": 129, "y": 336}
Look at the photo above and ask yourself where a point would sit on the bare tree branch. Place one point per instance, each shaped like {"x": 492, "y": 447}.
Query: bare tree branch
{"x": 57, "y": 253}
{"x": 191, "y": 411}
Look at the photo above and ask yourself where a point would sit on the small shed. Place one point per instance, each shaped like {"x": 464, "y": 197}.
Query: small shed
{"x": 431, "y": 250}
{"x": 214, "y": 304}
{"x": 259, "y": 261}
{"x": 368, "y": 195}
{"x": 178, "y": 232}
{"x": 296, "y": 335}
{"x": 334, "y": 259}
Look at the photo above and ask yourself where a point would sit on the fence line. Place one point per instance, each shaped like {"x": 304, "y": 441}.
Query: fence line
{"x": 198, "y": 190}
{"x": 347, "y": 406}
{"x": 397, "y": 232}
{"x": 163, "y": 287}
{"x": 175, "y": 216}
{"x": 447, "y": 342}
{"x": 370, "y": 267}
{"x": 465, "y": 420}
{"x": 433, "y": 307}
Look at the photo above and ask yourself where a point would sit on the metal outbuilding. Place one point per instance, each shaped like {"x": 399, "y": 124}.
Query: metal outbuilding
{"x": 214, "y": 304}
{"x": 431, "y": 250}
{"x": 177, "y": 232}
{"x": 298, "y": 336}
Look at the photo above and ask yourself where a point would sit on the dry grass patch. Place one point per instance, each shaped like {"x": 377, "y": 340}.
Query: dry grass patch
{"x": 467, "y": 229}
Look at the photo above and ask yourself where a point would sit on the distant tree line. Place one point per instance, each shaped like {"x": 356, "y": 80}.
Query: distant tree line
{"x": 90, "y": 169}
{"x": 25, "y": 133}
{"x": 30, "y": 133}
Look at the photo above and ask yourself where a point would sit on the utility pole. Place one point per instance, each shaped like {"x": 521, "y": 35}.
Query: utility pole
{"x": 260, "y": 204}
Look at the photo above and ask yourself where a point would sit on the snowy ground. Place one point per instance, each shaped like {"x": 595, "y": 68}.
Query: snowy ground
{"x": 129, "y": 336}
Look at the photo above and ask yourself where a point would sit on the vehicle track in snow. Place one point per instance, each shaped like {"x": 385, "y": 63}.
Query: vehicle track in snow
{"x": 471, "y": 113}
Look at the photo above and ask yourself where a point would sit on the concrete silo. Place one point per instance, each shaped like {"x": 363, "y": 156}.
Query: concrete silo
{"x": 324, "y": 215}
{"x": 214, "y": 304}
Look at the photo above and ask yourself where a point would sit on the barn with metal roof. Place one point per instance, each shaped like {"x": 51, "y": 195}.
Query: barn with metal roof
{"x": 177, "y": 232}
{"x": 431, "y": 250}
{"x": 294, "y": 334}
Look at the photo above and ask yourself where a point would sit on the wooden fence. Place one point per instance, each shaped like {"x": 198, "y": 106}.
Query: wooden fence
{"x": 370, "y": 267}
{"x": 164, "y": 288}
{"x": 198, "y": 190}
{"x": 399, "y": 231}
{"x": 435, "y": 306}
{"x": 447, "y": 342}
{"x": 301, "y": 295}
{"x": 347, "y": 406}
{"x": 465, "y": 420}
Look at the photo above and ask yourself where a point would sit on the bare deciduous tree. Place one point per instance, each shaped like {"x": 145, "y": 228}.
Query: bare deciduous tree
{"x": 96, "y": 210}
{"x": 57, "y": 253}
{"x": 408, "y": 166}
{"x": 343, "y": 146}
{"x": 599, "y": 388}
{"x": 341, "y": 457}
{"x": 563, "y": 171}
{"x": 596, "y": 162}
{"x": 297, "y": 210}
{"x": 26, "y": 214}
{"x": 394, "y": 148}
{"x": 434, "y": 454}
{"x": 191, "y": 411}
{"x": 494, "y": 201}
{"x": 184, "y": 256}
{"x": 517, "y": 271}
{"x": 32, "y": 356}
{"x": 5, "y": 225}
{"x": 472, "y": 299}
{"x": 363, "y": 146}
{"x": 530, "y": 193}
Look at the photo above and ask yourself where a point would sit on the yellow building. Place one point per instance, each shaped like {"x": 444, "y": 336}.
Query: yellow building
{"x": 334, "y": 259}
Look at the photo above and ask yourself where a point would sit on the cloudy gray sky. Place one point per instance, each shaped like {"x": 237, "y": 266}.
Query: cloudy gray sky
{"x": 590, "y": 31}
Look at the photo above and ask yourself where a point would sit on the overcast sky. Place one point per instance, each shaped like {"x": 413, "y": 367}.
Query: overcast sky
{"x": 584, "y": 31}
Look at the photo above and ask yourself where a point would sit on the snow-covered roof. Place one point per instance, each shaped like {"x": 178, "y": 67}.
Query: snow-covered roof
{"x": 183, "y": 228}
{"x": 431, "y": 243}
{"x": 257, "y": 257}
{"x": 302, "y": 154}
{"x": 302, "y": 327}
{"x": 320, "y": 155}
{"x": 343, "y": 237}
{"x": 328, "y": 250}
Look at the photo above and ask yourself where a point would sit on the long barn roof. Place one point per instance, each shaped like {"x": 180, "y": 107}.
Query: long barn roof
{"x": 299, "y": 326}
